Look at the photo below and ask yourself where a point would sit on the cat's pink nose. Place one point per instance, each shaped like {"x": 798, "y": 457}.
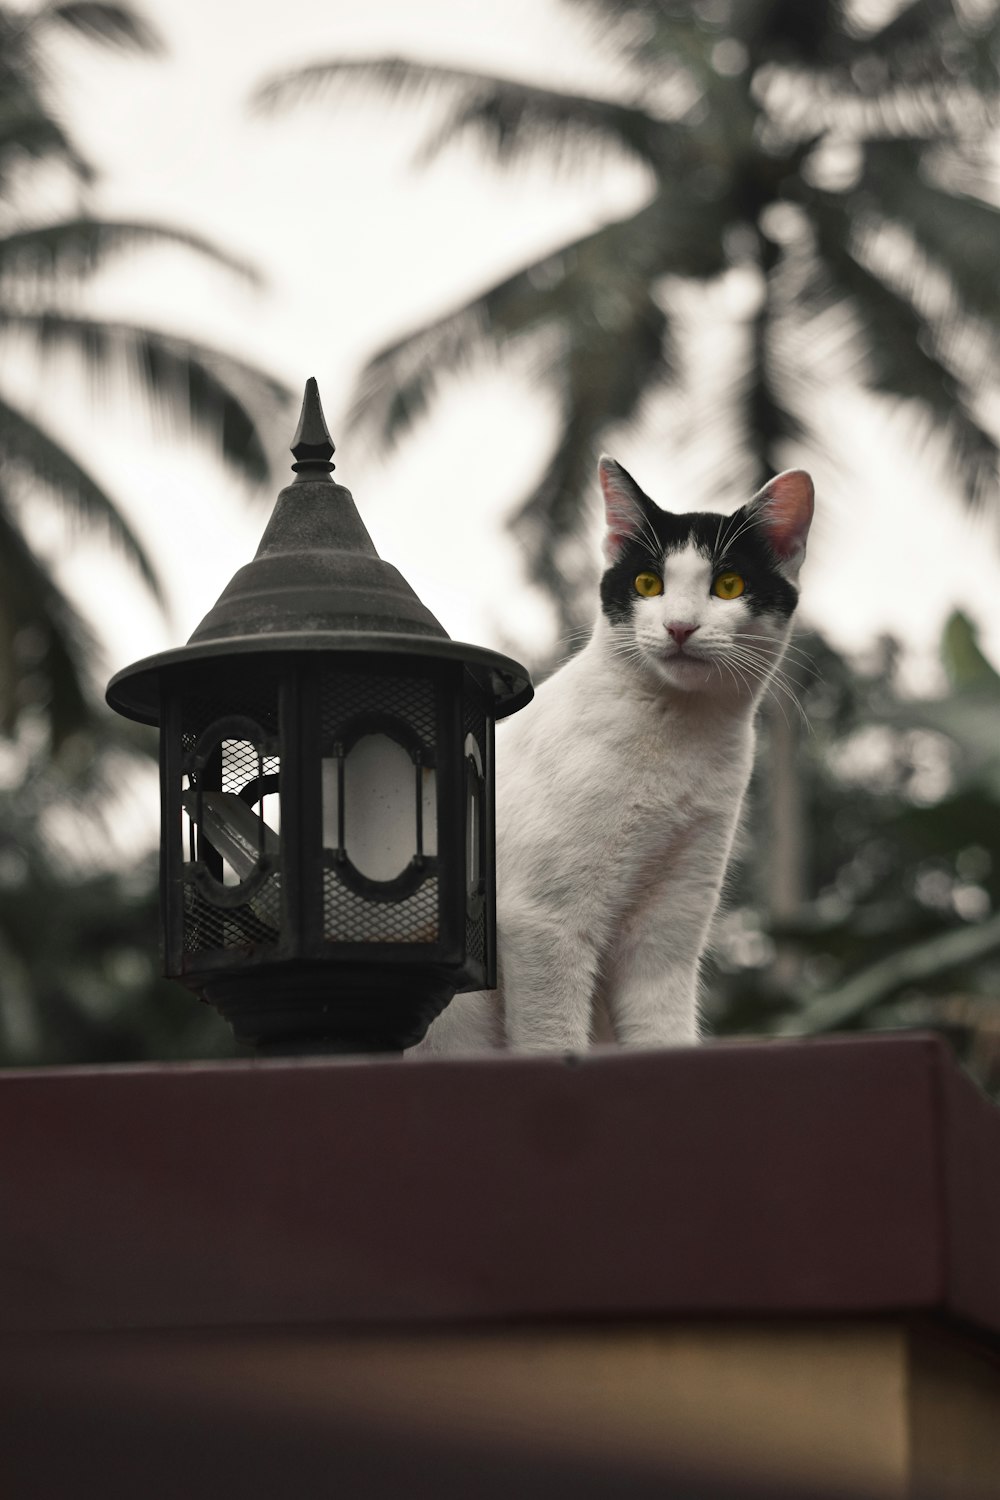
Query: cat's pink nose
{"x": 679, "y": 631}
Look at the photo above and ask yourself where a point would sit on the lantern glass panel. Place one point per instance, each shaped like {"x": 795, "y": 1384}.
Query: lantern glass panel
{"x": 384, "y": 803}
{"x": 474, "y": 830}
{"x": 379, "y": 808}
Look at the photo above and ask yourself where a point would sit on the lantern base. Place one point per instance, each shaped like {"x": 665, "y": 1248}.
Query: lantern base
{"x": 311, "y": 1011}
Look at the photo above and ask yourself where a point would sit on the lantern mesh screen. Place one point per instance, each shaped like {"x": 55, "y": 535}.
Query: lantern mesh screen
{"x": 207, "y": 926}
{"x": 475, "y": 938}
{"x": 351, "y": 918}
{"x": 349, "y": 699}
{"x": 240, "y": 763}
{"x": 350, "y": 705}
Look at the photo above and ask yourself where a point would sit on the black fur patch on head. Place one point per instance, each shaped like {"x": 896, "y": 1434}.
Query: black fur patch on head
{"x": 747, "y": 553}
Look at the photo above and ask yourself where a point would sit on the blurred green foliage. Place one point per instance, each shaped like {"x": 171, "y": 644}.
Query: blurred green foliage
{"x": 79, "y": 928}
{"x": 897, "y": 923}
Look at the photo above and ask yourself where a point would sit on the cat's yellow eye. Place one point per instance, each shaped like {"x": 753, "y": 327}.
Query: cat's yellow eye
{"x": 728, "y": 586}
{"x": 648, "y": 585}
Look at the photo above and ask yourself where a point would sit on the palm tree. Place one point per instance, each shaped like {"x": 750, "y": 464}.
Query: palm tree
{"x": 841, "y": 161}
{"x": 46, "y": 648}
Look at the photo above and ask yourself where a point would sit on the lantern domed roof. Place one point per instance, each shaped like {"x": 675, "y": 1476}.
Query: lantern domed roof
{"x": 316, "y": 583}
{"x": 316, "y": 570}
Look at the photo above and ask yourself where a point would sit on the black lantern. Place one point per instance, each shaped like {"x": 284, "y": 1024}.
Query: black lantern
{"x": 326, "y": 777}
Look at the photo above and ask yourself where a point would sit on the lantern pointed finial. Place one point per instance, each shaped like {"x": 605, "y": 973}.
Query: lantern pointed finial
{"x": 312, "y": 444}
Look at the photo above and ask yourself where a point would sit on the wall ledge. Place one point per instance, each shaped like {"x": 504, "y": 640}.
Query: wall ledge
{"x": 845, "y": 1176}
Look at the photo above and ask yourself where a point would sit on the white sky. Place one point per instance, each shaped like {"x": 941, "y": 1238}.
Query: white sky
{"x": 356, "y": 247}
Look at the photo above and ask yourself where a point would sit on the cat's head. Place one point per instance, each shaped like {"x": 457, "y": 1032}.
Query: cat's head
{"x": 703, "y": 601}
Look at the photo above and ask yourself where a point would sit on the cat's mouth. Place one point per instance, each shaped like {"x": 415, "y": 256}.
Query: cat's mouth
{"x": 684, "y": 656}
{"x": 682, "y": 664}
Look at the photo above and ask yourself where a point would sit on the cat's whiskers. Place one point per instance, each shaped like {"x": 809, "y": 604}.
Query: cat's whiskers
{"x": 742, "y": 679}
{"x": 721, "y": 559}
{"x": 737, "y": 681}
{"x": 647, "y": 534}
{"x": 766, "y": 685}
{"x": 731, "y": 537}
{"x": 763, "y": 662}
{"x": 804, "y": 660}
{"x": 761, "y": 653}
{"x": 773, "y": 681}
{"x": 572, "y": 642}
{"x": 718, "y": 663}
{"x": 773, "y": 661}
{"x": 781, "y": 680}
{"x": 716, "y": 550}
{"x": 749, "y": 523}
{"x": 631, "y": 651}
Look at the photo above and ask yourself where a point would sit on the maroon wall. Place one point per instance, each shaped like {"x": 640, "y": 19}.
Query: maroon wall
{"x": 841, "y": 1176}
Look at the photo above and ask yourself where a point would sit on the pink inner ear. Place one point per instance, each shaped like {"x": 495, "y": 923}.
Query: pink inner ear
{"x": 788, "y": 509}
{"x": 614, "y": 540}
{"x": 623, "y": 516}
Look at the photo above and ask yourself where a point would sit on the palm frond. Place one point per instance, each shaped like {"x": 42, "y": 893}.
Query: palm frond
{"x": 604, "y": 374}
{"x": 510, "y": 120}
{"x": 25, "y": 445}
{"x": 107, "y": 24}
{"x": 28, "y": 124}
{"x": 398, "y": 384}
{"x": 28, "y": 132}
{"x": 593, "y": 292}
{"x": 604, "y": 343}
{"x": 555, "y": 512}
{"x": 958, "y": 233}
{"x": 652, "y": 36}
{"x": 761, "y": 395}
{"x": 29, "y": 129}
{"x": 507, "y": 117}
{"x": 918, "y": 21}
{"x": 185, "y": 380}
{"x": 81, "y": 246}
{"x": 933, "y": 45}
{"x": 397, "y": 76}
{"x": 919, "y": 962}
{"x": 815, "y": 35}
{"x": 44, "y": 644}
{"x": 901, "y": 350}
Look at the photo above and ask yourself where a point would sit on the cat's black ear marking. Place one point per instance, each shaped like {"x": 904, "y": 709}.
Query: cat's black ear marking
{"x": 624, "y": 508}
{"x": 785, "y": 509}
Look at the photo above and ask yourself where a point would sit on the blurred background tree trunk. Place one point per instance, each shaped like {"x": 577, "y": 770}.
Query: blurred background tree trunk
{"x": 785, "y": 867}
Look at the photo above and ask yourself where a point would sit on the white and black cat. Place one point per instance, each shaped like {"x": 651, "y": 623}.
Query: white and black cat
{"x": 619, "y": 788}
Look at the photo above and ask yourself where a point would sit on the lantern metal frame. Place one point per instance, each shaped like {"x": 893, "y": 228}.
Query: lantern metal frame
{"x": 316, "y": 617}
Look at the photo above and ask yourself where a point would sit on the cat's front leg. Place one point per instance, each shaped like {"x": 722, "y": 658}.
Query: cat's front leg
{"x": 656, "y": 1009}
{"x": 652, "y": 988}
{"x": 548, "y": 974}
